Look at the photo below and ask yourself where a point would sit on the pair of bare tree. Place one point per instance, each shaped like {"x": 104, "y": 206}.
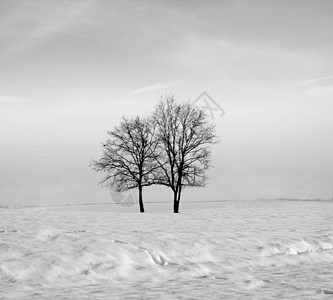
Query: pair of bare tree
{"x": 170, "y": 148}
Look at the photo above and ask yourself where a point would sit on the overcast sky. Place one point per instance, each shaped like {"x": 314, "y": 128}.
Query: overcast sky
{"x": 69, "y": 70}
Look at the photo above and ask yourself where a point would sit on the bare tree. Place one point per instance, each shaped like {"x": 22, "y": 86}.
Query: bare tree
{"x": 129, "y": 156}
{"x": 184, "y": 138}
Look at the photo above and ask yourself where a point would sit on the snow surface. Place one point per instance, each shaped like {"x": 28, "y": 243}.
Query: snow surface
{"x": 238, "y": 250}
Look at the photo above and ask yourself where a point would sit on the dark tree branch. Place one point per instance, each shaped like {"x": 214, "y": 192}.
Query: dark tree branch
{"x": 185, "y": 136}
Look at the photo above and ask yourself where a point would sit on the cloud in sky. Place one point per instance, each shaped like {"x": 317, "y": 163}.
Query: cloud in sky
{"x": 211, "y": 51}
{"x": 30, "y": 23}
{"x": 320, "y": 91}
{"x": 317, "y": 87}
{"x": 149, "y": 88}
{"x": 314, "y": 80}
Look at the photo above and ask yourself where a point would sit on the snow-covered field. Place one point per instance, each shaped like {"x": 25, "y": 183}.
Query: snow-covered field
{"x": 236, "y": 250}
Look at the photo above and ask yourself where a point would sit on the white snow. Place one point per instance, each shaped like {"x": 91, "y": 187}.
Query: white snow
{"x": 239, "y": 249}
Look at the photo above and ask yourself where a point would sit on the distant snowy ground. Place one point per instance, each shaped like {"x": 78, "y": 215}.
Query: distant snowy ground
{"x": 240, "y": 250}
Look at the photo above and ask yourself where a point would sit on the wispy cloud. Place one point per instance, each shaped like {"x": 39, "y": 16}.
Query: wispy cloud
{"x": 33, "y": 22}
{"x": 316, "y": 87}
{"x": 315, "y": 80}
{"x": 150, "y": 88}
{"x": 200, "y": 50}
{"x": 320, "y": 91}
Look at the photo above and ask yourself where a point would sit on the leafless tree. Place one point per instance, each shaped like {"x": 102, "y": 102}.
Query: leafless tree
{"x": 129, "y": 156}
{"x": 185, "y": 136}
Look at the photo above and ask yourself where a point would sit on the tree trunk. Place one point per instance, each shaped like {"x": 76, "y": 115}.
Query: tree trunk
{"x": 175, "y": 203}
{"x": 176, "y": 199}
{"x": 142, "y": 210}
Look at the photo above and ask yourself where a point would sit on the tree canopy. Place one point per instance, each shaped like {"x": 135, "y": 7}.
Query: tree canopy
{"x": 129, "y": 156}
{"x": 170, "y": 148}
{"x": 184, "y": 135}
